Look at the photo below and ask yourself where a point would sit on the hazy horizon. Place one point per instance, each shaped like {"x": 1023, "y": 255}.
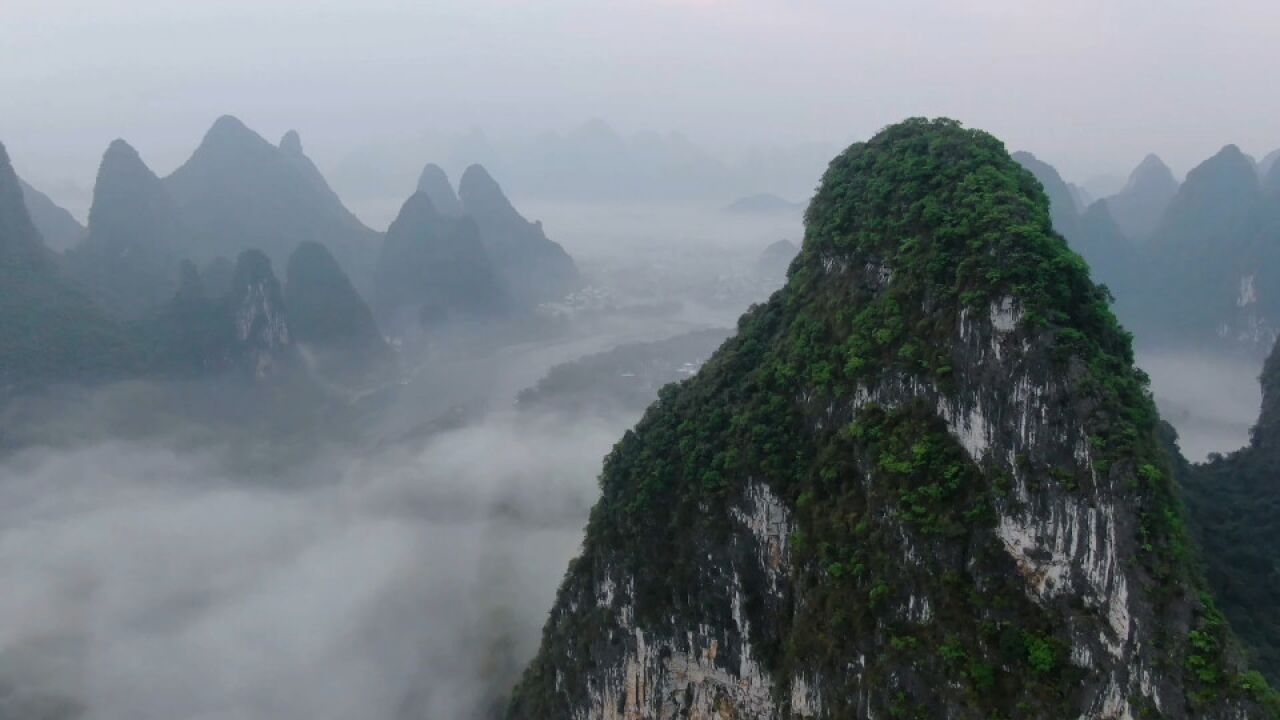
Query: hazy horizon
{"x": 733, "y": 77}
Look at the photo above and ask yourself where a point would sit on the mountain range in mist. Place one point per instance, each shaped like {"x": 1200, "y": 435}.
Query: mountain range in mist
{"x": 153, "y": 275}
{"x": 1192, "y": 263}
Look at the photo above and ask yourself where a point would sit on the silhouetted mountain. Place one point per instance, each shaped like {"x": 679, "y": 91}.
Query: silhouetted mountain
{"x": 434, "y": 269}
{"x": 1062, "y": 204}
{"x": 1212, "y": 273}
{"x": 60, "y": 230}
{"x": 435, "y": 184}
{"x": 1138, "y": 208}
{"x": 1268, "y": 163}
{"x": 1216, "y": 209}
{"x": 1110, "y": 254}
{"x": 128, "y": 262}
{"x": 763, "y": 203}
{"x": 49, "y": 332}
{"x": 921, "y": 481}
{"x": 775, "y": 259}
{"x": 329, "y": 319}
{"x": 239, "y": 191}
{"x": 1271, "y": 183}
{"x": 532, "y": 268}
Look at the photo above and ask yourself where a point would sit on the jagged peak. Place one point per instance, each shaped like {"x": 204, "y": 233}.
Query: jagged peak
{"x": 1229, "y": 163}
{"x": 434, "y": 181}
{"x": 478, "y": 190}
{"x": 229, "y": 131}
{"x": 291, "y": 144}
{"x": 476, "y": 179}
{"x": 1151, "y": 171}
{"x": 120, "y": 155}
{"x": 1152, "y": 161}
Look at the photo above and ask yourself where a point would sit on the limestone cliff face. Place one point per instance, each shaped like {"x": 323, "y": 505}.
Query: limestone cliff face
{"x": 262, "y": 342}
{"x": 922, "y": 481}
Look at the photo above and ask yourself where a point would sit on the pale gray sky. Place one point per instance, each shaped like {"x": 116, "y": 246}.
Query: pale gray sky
{"x": 1089, "y": 85}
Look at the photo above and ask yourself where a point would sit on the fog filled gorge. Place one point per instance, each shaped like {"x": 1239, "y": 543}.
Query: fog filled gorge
{"x": 153, "y": 583}
{"x": 395, "y": 560}
{"x": 1212, "y": 401}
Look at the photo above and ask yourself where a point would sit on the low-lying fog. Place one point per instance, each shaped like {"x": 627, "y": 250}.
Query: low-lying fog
{"x": 1212, "y": 400}
{"x": 155, "y": 567}
{"x": 406, "y": 575}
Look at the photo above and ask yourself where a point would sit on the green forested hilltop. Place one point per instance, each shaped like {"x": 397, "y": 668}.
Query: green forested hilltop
{"x": 922, "y": 481}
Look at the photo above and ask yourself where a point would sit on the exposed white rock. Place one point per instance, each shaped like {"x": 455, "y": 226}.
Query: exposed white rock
{"x": 1247, "y": 295}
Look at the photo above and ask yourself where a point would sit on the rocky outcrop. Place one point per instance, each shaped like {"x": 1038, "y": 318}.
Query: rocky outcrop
{"x": 918, "y": 483}
{"x": 263, "y": 344}
{"x": 532, "y": 268}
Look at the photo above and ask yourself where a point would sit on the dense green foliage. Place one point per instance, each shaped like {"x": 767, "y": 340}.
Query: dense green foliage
{"x": 1235, "y": 506}
{"x": 960, "y": 227}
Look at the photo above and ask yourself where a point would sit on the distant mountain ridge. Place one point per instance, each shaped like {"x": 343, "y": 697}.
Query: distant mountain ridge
{"x": 1192, "y": 263}
{"x": 239, "y": 191}
{"x": 59, "y": 228}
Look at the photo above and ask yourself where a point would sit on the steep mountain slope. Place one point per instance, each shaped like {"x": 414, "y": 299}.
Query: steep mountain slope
{"x": 532, "y": 268}
{"x": 922, "y": 481}
{"x": 328, "y": 317}
{"x": 434, "y": 268}
{"x": 129, "y": 259}
{"x": 48, "y": 330}
{"x": 59, "y": 228}
{"x": 1062, "y": 203}
{"x": 239, "y": 191}
{"x": 434, "y": 183}
{"x": 1137, "y": 208}
{"x": 1235, "y": 505}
